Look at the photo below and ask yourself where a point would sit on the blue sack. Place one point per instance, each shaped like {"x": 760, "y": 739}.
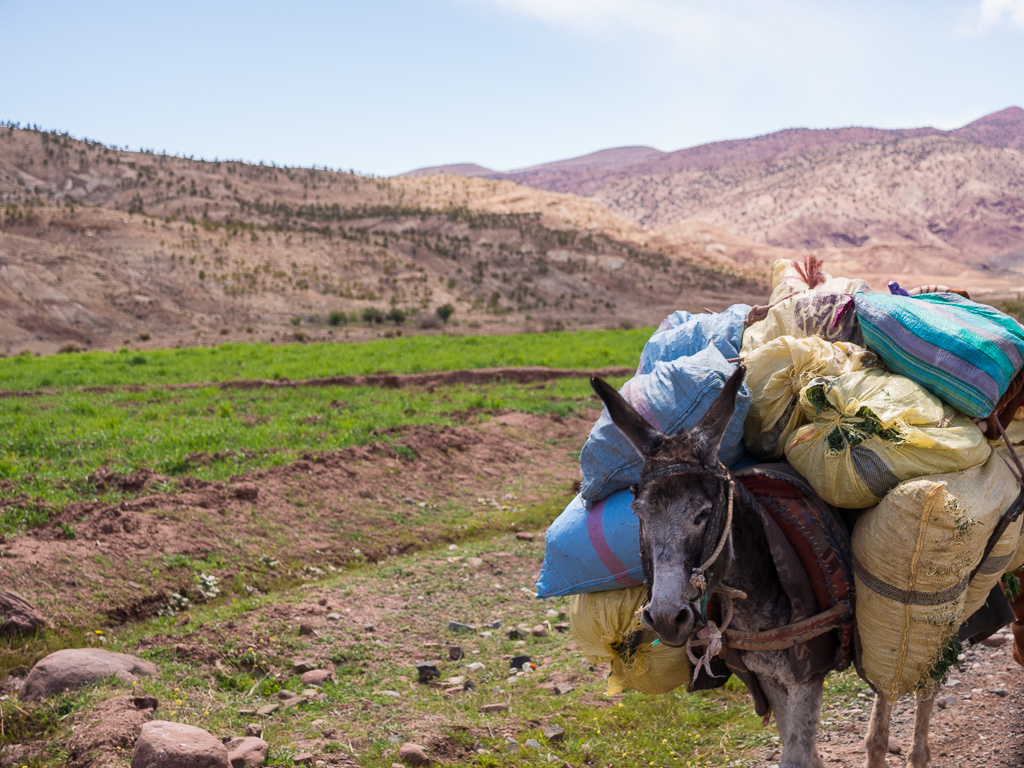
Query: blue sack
{"x": 592, "y": 550}
{"x": 672, "y": 397}
{"x": 682, "y": 334}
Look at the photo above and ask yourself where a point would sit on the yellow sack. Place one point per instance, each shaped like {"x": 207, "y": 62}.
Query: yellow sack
{"x": 604, "y": 623}
{"x": 788, "y": 286}
{"x": 776, "y": 372}
{"x": 869, "y": 430}
{"x": 913, "y": 554}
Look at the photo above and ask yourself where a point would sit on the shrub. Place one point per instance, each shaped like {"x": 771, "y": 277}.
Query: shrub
{"x": 397, "y": 316}
{"x": 445, "y": 311}
{"x": 337, "y": 317}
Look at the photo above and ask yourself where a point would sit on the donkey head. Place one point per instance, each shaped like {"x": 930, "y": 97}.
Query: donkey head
{"x": 681, "y": 503}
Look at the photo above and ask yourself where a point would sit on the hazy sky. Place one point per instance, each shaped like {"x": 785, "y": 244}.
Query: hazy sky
{"x": 385, "y": 86}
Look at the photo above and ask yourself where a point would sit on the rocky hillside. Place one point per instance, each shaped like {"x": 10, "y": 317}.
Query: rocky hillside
{"x": 104, "y": 247}
{"x": 960, "y": 192}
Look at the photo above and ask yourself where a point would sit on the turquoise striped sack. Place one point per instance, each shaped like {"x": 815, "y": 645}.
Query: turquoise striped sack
{"x": 962, "y": 352}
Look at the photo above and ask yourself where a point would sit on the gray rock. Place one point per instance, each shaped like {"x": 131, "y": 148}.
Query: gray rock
{"x": 254, "y": 729}
{"x": 494, "y": 708}
{"x": 533, "y": 744}
{"x": 458, "y": 626}
{"x": 455, "y": 653}
{"x": 539, "y": 631}
{"x": 163, "y": 744}
{"x": 77, "y": 667}
{"x": 17, "y": 615}
{"x": 427, "y": 671}
{"x": 284, "y": 693}
{"x": 563, "y": 688}
{"x": 247, "y": 752}
{"x": 269, "y": 709}
{"x": 554, "y": 733}
{"x": 301, "y": 666}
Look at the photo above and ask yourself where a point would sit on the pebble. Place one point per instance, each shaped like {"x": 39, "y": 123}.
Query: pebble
{"x": 525, "y": 536}
{"x": 554, "y": 733}
{"x": 533, "y": 744}
{"x": 284, "y": 693}
{"x": 456, "y": 680}
{"x": 301, "y": 666}
{"x": 485, "y": 634}
{"x": 494, "y": 625}
{"x": 475, "y": 666}
{"x": 458, "y": 626}
{"x": 427, "y": 671}
{"x": 998, "y": 692}
{"x": 303, "y": 758}
{"x": 293, "y": 702}
{"x": 539, "y": 631}
{"x": 455, "y": 652}
{"x": 392, "y": 694}
{"x": 492, "y": 708}
{"x": 334, "y": 617}
{"x": 254, "y": 729}
{"x": 552, "y": 613}
{"x": 563, "y": 688}
{"x": 563, "y": 627}
{"x": 269, "y": 709}
{"x": 413, "y": 754}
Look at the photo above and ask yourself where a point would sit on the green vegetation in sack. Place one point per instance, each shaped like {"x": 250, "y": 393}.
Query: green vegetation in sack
{"x": 580, "y": 350}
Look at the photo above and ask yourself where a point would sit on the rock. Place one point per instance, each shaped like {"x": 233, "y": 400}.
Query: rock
{"x": 475, "y": 666}
{"x": 539, "y": 631}
{"x": 455, "y": 690}
{"x": 1000, "y": 692}
{"x": 525, "y": 536}
{"x": 533, "y": 744}
{"x": 18, "y": 615}
{"x": 458, "y": 626}
{"x": 427, "y": 671}
{"x": 493, "y": 708}
{"x": 301, "y": 666}
{"x": 561, "y": 689}
{"x": 308, "y": 692}
{"x": 284, "y": 693}
{"x": 76, "y": 667}
{"x": 516, "y": 634}
{"x": 995, "y": 641}
{"x": 334, "y": 617}
{"x": 247, "y": 711}
{"x": 269, "y": 709}
{"x": 457, "y": 680}
{"x": 554, "y": 733}
{"x": 455, "y": 652}
{"x": 303, "y": 758}
{"x": 163, "y": 744}
{"x": 392, "y": 694}
{"x": 494, "y": 625}
{"x": 294, "y": 701}
{"x": 306, "y": 628}
{"x": 469, "y": 685}
{"x": 247, "y": 752}
{"x": 562, "y": 628}
{"x": 474, "y": 562}
{"x": 413, "y": 754}
{"x": 518, "y": 662}
{"x": 254, "y": 729}
{"x": 316, "y": 676}
{"x": 552, "y": 613}
{"x": 895, "y": 748}
{"x": 328, "y": 733}
{"x": 245, "y": 491}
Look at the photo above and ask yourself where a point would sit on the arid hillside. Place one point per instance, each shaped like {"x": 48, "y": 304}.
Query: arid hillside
{"x": 101, "y": 247}
{"x": 930, "y": 194}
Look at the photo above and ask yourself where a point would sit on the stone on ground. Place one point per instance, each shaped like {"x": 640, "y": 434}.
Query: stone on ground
{"x": 163, "y": 744}
{"x": 413, "y": 754}
{"x": 17, "y": 615}
{"x": 247, "y": 752}
{"x": 77, "y": 667}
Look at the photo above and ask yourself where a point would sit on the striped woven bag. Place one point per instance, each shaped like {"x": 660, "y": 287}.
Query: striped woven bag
{"x": 961, "y": 351}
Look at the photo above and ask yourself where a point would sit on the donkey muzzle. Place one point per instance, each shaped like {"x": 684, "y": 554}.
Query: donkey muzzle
{"x": 673, "y": 622}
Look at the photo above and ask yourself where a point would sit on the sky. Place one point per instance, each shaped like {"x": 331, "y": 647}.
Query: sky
{"x": 386, "y": 86}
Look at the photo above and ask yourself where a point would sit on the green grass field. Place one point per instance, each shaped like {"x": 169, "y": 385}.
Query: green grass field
{"x": 414, "y": 354}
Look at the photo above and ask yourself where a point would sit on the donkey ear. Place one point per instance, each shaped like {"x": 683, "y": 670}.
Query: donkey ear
{"x": 707, "y": 435}
{"x": 642, "y": 435}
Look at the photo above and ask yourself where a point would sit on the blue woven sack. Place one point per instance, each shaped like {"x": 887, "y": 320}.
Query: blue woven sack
{"x": 672, "y": 397}
{"x": 682, "y": 334}
{"x": 592, "y": 550}
{"x": 963, "y": 352}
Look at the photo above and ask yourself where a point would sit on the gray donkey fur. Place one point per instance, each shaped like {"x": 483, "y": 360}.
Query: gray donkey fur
{"x": 681, "y": 503}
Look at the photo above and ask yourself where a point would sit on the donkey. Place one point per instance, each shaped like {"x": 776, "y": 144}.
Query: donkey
{"x": 701, "y": 537}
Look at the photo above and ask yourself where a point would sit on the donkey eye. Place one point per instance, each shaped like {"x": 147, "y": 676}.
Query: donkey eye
{"x": 702, "y": 517}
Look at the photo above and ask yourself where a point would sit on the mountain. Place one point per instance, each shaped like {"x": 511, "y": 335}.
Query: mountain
{"x": 960, "y": 191}
{"x": 106, "y": 248}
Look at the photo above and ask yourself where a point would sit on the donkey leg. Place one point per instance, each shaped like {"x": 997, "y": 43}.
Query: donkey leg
{"x": 919, "y": 753}
{"x": 797, "y": 710}
{"x": 877, "y": 741}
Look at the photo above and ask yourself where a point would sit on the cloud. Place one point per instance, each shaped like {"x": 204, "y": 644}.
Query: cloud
{"x": 992, "y": 13}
